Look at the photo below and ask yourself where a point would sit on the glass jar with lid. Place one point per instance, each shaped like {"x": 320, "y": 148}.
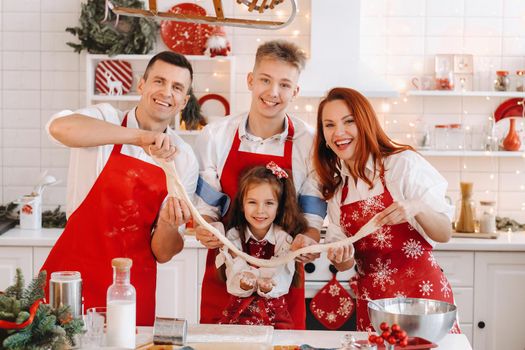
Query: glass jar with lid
{"x": 502, "y": 81}
{"x": 456, "y": 137}
{"x": 440, "y": 137}
{"x": 520, "y": 80}
{"x": 487, "y": 216}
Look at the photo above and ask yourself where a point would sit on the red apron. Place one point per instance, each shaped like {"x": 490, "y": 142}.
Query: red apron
{"x": 255, "y": 309}
{"x": 114, "y": 220}
{"x": 214, "y": 296}
{"x": 394, "y": 261}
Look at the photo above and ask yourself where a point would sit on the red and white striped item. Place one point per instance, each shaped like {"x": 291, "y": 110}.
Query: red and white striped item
{"x": 108, "y": 75}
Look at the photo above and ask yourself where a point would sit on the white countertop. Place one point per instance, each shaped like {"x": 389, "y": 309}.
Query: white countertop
{"x": 514, "y": 241}
{"x": 326, "y": 339}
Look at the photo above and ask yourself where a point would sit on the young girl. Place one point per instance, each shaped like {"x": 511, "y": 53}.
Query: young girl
{"x": 266, "y": 217}
{"x": 363, "y": 172}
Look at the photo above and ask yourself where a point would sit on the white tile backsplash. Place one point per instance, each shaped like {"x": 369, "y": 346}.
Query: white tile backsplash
{"x": 444, "y": 26}
{"x": 445, "y": 8}
{"x": 484, "y": 8}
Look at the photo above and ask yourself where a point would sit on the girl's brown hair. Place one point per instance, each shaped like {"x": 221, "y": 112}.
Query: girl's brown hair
{"x": 289, "y": 214}
{"x": 372, "y": 141}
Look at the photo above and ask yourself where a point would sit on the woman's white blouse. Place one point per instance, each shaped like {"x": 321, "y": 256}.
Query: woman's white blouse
{"x": 408, "y": 176}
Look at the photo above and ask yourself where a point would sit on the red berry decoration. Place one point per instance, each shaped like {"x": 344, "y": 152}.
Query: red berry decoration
{"x": 395, "y": 327}
{"x": 384, "y": 326}
{"x": 392, "y": 335}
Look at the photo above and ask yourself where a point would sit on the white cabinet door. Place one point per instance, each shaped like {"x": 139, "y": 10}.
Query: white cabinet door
{"x": 177, "y": 287}
{"x": 10, "y": 259}
{"x": 457, "y": 266}
{"x": 39, "y": 257}
{"x": 499, "y": 304}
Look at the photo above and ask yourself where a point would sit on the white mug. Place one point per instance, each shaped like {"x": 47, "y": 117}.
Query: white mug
{"x": 31, "y": 212}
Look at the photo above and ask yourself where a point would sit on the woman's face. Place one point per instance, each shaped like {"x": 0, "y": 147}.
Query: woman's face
{"x": 339, "y": 130}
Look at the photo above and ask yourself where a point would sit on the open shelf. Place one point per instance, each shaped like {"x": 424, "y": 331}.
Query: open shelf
{"x": 459, "y": 153}
{"x": 442, "y": 93}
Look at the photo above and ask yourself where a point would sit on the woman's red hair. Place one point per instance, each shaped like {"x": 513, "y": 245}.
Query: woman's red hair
{"x": 372, "y": 141}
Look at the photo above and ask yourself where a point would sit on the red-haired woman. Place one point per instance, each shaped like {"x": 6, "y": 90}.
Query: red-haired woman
{"x": 362, "y": 173}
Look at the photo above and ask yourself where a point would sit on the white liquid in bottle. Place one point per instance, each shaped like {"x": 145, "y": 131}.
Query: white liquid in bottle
{"x": 121, "y": 324}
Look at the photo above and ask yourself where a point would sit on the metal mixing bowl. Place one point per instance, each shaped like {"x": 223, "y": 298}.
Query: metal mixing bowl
{"x": 424, "y": 318}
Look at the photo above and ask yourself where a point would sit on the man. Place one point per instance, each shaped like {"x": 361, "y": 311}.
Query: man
{"x": 115, "y": 188}
{"x": 266, "y": 133}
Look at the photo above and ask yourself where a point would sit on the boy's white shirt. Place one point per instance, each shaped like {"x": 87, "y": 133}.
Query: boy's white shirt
{"x": 282, "y": 275}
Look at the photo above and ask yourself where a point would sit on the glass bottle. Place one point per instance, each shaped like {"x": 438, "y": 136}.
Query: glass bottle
{"x": 520, "y": 80}
{"x": 121, "y": 306}
{"x": 502, "y": 81}
{"x": 440, "y": 136}
{"x": 466, "y": 209}
{"x": 487, "y": 218}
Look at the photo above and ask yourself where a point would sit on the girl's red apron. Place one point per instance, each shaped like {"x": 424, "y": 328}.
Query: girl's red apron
{"x": 114, "y": 220}
{"x": 255, "y": 309}
{"x": 214, "y": 295}
{"x": 393, "y": 261}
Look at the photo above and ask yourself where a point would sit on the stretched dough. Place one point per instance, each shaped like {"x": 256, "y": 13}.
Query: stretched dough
{"x": 176, "y": 189}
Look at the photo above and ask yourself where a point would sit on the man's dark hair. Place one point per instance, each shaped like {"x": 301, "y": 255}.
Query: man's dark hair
{"x": 170, "y": 57}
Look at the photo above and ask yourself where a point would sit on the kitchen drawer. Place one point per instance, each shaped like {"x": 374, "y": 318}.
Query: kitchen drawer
{"x": 201, "y": 263}
{"x": 39, "y": 257}
{"x": 457, "y": 266}
{"x": 467, "y": 329}
{"x": 464, "y": 298}
{"x": 12, "y": 258}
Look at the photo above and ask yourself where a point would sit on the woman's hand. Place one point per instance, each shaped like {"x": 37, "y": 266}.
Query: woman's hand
{"x": 301, "y": 241}
{"x": 399, "y": 212}
{"x": 341, "y": 254}
{"x": 175, "y": 212}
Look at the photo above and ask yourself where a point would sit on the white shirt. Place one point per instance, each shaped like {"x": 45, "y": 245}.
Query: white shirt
{"x": 214, "y": 143}
{"x": 86, "y": 163}
{"x": 282, "y": 275}
{"x": 408, "y": 176}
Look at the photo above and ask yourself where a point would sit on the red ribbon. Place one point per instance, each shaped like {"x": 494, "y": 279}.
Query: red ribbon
{"x": 32, "y": 313}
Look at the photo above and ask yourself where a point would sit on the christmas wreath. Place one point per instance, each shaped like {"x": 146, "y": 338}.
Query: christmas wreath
{"x": 101, "y": 32}
{"x": 27, "y": 323}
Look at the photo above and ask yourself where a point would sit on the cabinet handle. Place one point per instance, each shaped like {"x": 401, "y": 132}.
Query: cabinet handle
{"x": 481, "y": 324}
{"x": 332, "y": 268}
{"x": 309, "y": 267}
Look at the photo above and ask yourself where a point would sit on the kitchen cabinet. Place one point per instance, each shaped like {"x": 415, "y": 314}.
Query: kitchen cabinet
{"x": 499, "y": 306}
{"x": 210, "y": 76}
{"x": 12, "y": 258}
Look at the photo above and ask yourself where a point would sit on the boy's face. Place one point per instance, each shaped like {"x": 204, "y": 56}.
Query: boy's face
{"x": 164, "y": 92}
{"x": 273, "y": 84}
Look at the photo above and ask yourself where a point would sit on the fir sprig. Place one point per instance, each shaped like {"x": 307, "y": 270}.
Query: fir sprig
{"x": 132, "y": 35}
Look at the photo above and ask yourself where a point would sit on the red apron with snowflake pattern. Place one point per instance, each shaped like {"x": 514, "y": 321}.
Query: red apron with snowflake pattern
{"x": 214, "y": 296}
{"x": 394, "y": 261}
{"x": 114, "y": 220}
{"x": 255, "y": 309}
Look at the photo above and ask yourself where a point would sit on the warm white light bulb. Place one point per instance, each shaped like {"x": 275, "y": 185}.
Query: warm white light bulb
{"x": 309, "y": 108}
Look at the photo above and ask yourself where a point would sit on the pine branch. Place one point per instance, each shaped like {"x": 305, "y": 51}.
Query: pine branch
{"x": 34, "y": 291}
{"x": 16, "y": 289}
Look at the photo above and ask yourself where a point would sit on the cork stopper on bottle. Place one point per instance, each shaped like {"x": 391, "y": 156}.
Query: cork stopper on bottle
{"x": 122, "y": 263}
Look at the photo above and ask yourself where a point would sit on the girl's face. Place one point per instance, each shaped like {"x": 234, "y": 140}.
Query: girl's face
{"x": 260, "y": 208}
{"x": 339, "y": 130}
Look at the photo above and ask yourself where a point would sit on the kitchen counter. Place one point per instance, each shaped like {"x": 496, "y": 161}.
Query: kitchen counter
{"x": 514, "y": 241}
{"x": 327, "y": 339}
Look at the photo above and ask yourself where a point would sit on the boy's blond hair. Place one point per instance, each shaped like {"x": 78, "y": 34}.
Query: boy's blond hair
{"x": 282, "y": 50}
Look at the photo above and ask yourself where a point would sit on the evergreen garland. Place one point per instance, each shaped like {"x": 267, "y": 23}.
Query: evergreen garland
{"x": 132, "y": 35}
{"x": 50, "y": 218}
{"x": 50, "y": 329}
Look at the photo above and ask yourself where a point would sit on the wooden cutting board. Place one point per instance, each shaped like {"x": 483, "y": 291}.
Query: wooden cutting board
{"x": 475, "y": 235}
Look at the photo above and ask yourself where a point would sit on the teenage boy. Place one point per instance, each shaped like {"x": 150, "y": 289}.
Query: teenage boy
{"x": 266, "y": 133}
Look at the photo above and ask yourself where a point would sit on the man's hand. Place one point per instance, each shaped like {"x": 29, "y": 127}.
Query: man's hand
{"x": 175, "y": 212}
{"x": 398, "y": 212}
{"x": 207, "y": 238}
{"x": 265, "y": 284}
{"x": 301, "y": 241}
{"x": 158, "y": 144}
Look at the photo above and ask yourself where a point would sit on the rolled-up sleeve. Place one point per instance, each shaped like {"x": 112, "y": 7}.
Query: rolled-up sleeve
{"x": 334, "y": 231}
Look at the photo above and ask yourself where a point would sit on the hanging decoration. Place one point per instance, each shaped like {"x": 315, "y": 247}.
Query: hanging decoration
{"x": 102, "y": 32}
{"x": 182, "y": 37}
{"x": 219, "y": 18}
{"x": 113, "y": 77}
{"x": 217, "y": 43}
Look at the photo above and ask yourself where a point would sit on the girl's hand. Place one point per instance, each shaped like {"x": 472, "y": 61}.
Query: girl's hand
{"x": 398, "y": 212}
{"x": 248, "y": 280}
{"x": 301, "y": 241}
{"x": 175, "y": 212}
{"x": 341, "y": 254}
{"x": 265, "y": 284}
